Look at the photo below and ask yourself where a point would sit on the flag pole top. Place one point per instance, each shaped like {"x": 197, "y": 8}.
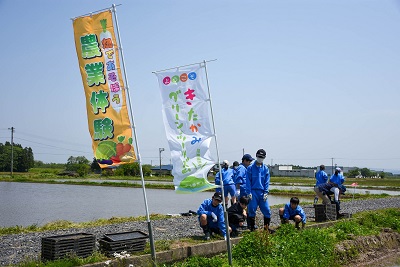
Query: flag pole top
{"x": 98, "y": 11}
{"x": 204, "y": 61}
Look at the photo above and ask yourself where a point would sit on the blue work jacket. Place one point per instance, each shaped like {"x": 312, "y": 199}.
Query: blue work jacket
{"x": 206, "y": 208}
{"x": 321, "y": 177}
{"x": 257, "y": 178}
{"x": 289, "y": 212}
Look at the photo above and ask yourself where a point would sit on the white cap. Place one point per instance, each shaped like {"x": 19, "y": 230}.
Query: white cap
{"x": 338, "y": 169}
{"x": 226, "y": 162}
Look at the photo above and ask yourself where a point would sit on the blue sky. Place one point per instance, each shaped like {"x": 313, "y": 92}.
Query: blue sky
{"x": 307, "y": 81}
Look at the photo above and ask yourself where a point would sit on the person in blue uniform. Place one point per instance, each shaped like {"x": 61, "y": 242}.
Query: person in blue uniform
{"x": 240, "y": 175}
{"x": 293, "y": 211}
{"x": 257, "y": 189}
{"x": 321, "y": 177}
{"x": 337, "y": 179}
{"x": 227, "y": 179}
{"x": 211, "y": 216}
{"x": 325, "y": 190}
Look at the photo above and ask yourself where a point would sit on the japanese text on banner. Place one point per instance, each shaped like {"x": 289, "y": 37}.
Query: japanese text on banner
{"x": 107, "y": 113}
{"x": 187, "y": 126}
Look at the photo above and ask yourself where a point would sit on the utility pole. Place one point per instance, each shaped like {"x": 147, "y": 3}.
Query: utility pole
{"x": 160, "y": 150}
{"x": 12, "y": 149}
{"x": 243, "y": 152}
{"x": 332, "y": 166}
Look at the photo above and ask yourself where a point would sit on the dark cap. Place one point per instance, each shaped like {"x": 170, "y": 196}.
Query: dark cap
{"x": 217, "y": 196}
{"x": 322, "y": 167}
{"x": 247, "y": 157}
{"x": 261, "y": 154}
{"x": 235, "y": 163}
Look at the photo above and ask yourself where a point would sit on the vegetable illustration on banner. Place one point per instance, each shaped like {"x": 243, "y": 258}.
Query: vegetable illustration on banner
{"x": 188, "y": 129}
{"x": 107, "y": 112}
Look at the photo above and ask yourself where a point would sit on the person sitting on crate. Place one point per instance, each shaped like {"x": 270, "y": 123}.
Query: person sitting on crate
{"x": 211, "y": 216}
{"x": 292, "y": 211}
{"x": 324, "y": 191}
{"x": 237, "y": 215}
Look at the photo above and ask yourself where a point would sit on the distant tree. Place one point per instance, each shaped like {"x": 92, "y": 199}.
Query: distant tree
{"x": 146, "y": 169}
{"x": 22, "y": 157}
{"x": 353, "y": 173}
{"x": 132, "y": 169}
{"x": 78, "y": 164}
{"x": 365, "y": 172}
{"x": 38, "y": 164}
{"x": 95, "y": 167}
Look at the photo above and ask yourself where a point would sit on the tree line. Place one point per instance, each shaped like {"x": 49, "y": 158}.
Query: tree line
{"x": 22, "y": 158}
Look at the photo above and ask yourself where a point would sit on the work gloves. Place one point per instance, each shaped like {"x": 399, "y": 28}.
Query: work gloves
{"x": 215, "y": 219}
{"x": 265, "y": 197}
{"x": 250, "y": 196}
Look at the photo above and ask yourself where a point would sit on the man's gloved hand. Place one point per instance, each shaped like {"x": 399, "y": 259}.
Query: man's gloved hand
{"x": 265, "y": 196}
{"x": 237, "y": 192}
{"x": 214, "y": 217}
{"x": 225, "y": 237}
{"x": 250, "y": 196}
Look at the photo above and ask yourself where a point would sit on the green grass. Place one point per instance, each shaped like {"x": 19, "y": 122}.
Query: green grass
{"x": 287, "y": 247}
{"x": 70, "y": 261}
{"x": 310, "y": 247}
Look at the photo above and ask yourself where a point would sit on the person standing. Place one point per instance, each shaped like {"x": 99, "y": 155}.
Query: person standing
{"x": 292, "y": 211}
{"x": 257, "y": 189}
{"x": 240, "y": 175}
{"x": 211, "y": 216}
{"x": 337, "y": 179}
{"x": 227, "y": 178}
{"x": 321, "y": 177}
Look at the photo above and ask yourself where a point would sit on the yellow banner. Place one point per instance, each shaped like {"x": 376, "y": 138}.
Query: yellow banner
{"x": 107, "y": 113}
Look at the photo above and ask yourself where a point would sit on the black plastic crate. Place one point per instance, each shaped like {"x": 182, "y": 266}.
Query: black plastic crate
{"x": 325, "y": 212}
{"x": 126, "y": 241}
{"x": 56, "y": 247}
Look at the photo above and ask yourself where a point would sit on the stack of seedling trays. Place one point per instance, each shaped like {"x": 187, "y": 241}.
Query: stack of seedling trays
{"x": 325, "y": 212}
{"x": 125, "y": 241}
{"x": 57, "y": 247}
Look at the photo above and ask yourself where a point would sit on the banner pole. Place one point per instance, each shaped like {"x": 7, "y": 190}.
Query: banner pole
{"x": 152, "y": 246}
{"x": 228, "y": 235}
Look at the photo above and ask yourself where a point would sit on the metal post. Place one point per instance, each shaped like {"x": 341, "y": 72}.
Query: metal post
{"x": 228, "y": 239}
{"x": 12, "y": 149}
{"x": 152, "y": 245}
{"x": 161, "y": 150}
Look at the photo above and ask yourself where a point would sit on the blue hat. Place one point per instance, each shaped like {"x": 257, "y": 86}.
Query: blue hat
{"x": 247, "y": 157}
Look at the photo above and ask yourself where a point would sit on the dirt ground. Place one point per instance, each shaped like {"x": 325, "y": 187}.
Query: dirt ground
{"x": 381, "y": 250}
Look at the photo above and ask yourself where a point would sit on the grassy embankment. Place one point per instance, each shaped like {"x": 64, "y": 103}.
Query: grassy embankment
{"x": 287, "y": 247}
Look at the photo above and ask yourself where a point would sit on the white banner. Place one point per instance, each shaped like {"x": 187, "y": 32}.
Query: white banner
{"x": 187, "y": 125}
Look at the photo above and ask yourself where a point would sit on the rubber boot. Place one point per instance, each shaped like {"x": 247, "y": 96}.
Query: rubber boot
{"x": 297, "y": 226}
{"x": 206, "y": 230}
{"x": 282, "y": 220}
{"x": 266, "y": 223}
{"x": 251, "y": 223}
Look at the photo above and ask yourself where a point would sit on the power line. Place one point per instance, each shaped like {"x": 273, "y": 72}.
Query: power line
{"x": 48, "y": 139}
{"x": 51, "y": 146}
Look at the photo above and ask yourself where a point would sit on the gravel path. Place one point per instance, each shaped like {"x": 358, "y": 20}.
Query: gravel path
{"x": 16, "y": 248}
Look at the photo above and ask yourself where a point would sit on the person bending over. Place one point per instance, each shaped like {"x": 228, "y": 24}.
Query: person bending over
{"x": 211, "y": 216}
{"x": 237, "y": 215}
{"x": 292, "y": 211}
